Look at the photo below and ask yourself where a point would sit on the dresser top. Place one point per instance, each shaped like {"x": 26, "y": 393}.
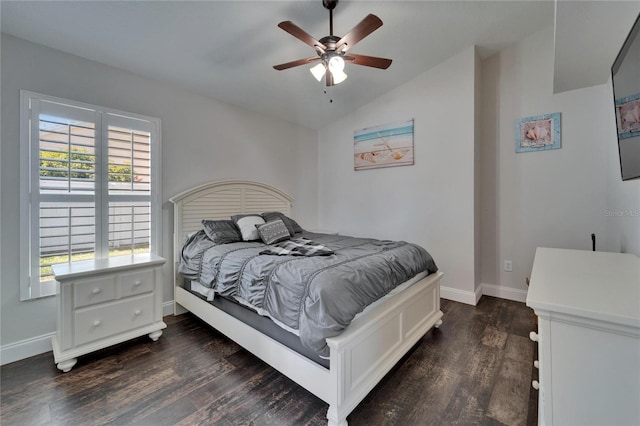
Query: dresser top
{"x": 63, "y": 271}
{"x": 596, "y": 285}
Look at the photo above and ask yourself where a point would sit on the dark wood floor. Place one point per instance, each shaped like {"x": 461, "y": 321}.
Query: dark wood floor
{"x": 477, "y": 369}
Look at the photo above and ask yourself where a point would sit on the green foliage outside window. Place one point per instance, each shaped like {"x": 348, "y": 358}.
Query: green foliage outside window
{"x": 56, "y": 164}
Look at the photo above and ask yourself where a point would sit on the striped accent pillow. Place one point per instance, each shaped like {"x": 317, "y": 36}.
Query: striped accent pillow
{"x": 291, "y": 224}
{"x": 221, "y": 231}
{"x": 273, "y": 232}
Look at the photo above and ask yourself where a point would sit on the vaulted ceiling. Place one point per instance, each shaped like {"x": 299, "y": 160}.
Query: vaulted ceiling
{"x": 226, "y": 49}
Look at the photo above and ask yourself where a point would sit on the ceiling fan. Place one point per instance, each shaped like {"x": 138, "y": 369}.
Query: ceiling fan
{"x": 331, "y": 50}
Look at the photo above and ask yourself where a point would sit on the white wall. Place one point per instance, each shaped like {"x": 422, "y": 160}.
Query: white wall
{"x": 551, "y": 198}
{"x": 477, "y": 139}
{"x": 202, "y": 140}
{"x": 430, "y": 203}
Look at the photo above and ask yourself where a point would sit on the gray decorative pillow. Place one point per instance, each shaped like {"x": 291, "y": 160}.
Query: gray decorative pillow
{"x": 221, "y": 231}
{"x": 246, "y": 223}
{"x": 291, "y": 224}
{"x": 273, "y": 232}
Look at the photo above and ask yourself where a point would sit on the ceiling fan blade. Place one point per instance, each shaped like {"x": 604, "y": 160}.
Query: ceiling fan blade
{"x": 300, "y": 34}
{"x": 365, "y": 27}
{"x": 296, "y": 63}
{"x": 367, "y": 61}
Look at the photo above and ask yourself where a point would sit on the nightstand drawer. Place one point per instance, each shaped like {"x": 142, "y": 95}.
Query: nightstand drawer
{"x": 103, "y": 321}
{"x": 94, "y": 291}
{"x": 137, "y": 282}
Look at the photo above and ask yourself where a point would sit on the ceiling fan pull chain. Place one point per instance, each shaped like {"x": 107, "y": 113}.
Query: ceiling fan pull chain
{"x": 327, "y": 92}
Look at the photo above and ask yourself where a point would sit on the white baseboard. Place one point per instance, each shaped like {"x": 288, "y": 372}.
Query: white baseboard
{"x": 462, "y": 296}
{"x": 25, "y": 348}
{"x": 167, "y": 308}
{"x": 504, "y": 292}
{"x": 472, "y": 298}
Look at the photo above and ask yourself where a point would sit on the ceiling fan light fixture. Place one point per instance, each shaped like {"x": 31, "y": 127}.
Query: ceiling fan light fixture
{"x": 336, "y": 68}
{"x": 339, "y": 77}
{"x": 318, "y": 71}
{"x": 336, "y": 64}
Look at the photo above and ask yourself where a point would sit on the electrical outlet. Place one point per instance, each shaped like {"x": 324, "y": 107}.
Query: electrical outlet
{"x": 508, "y": 266}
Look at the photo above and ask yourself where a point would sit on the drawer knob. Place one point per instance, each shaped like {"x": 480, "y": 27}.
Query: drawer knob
{"x": 536, "y": 363}
{"x": 533, "y": 336}
{"x": 535, "y": 385}
{"x": 97, "y": 323}
{"x": 96, "y": 290}
{"x": 136, "y": 283}
{"x": 137, "y": 312}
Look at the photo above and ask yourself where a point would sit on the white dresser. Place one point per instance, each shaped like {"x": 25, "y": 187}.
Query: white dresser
{"x": 588, "y": 308}
{"x": 102, "y": 302}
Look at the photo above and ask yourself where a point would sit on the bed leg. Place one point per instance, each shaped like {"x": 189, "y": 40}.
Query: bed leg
{"x": 438, "y": 323}
{"x": 333, "y": 419}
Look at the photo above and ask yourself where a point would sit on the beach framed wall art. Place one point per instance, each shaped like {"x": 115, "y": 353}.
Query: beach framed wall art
{"x": 386, "y": 145}
{"x": 539, "y": 133}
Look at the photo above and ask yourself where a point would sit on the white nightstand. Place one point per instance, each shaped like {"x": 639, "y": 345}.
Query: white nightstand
{"x": 102, "y": 302}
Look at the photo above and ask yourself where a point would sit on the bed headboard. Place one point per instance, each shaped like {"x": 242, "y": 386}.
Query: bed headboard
{"x": 221, "y": 200}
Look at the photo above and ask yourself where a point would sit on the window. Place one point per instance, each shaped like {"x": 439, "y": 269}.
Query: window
{"x": 90, "y": 185}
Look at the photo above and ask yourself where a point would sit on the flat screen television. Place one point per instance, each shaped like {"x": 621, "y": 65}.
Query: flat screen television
{"x": 625, "y": 75}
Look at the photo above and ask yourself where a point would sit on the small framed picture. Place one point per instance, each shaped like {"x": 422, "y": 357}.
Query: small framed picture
{"x": 628, "y": 116}
{"x": 538, "y": 133}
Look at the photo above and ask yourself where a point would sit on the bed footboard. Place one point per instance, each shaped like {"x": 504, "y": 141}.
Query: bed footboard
{"x": 360, "y": 356}
{"x": 375, "y": 342}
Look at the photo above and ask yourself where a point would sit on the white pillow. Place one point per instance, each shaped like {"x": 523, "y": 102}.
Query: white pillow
{"x": 247, "y": 225}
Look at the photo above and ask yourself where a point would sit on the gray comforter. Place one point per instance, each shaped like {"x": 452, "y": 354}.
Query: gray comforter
{"x": 318, "y": 295}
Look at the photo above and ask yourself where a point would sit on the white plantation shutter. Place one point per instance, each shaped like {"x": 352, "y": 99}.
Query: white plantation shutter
{"x": 129, "y": 189}
{"x": 65, "y": 168}
{"x": 90, "y": 186}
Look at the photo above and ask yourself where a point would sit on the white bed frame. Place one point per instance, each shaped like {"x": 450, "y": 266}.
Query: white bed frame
{"x": 359, "y": 357}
